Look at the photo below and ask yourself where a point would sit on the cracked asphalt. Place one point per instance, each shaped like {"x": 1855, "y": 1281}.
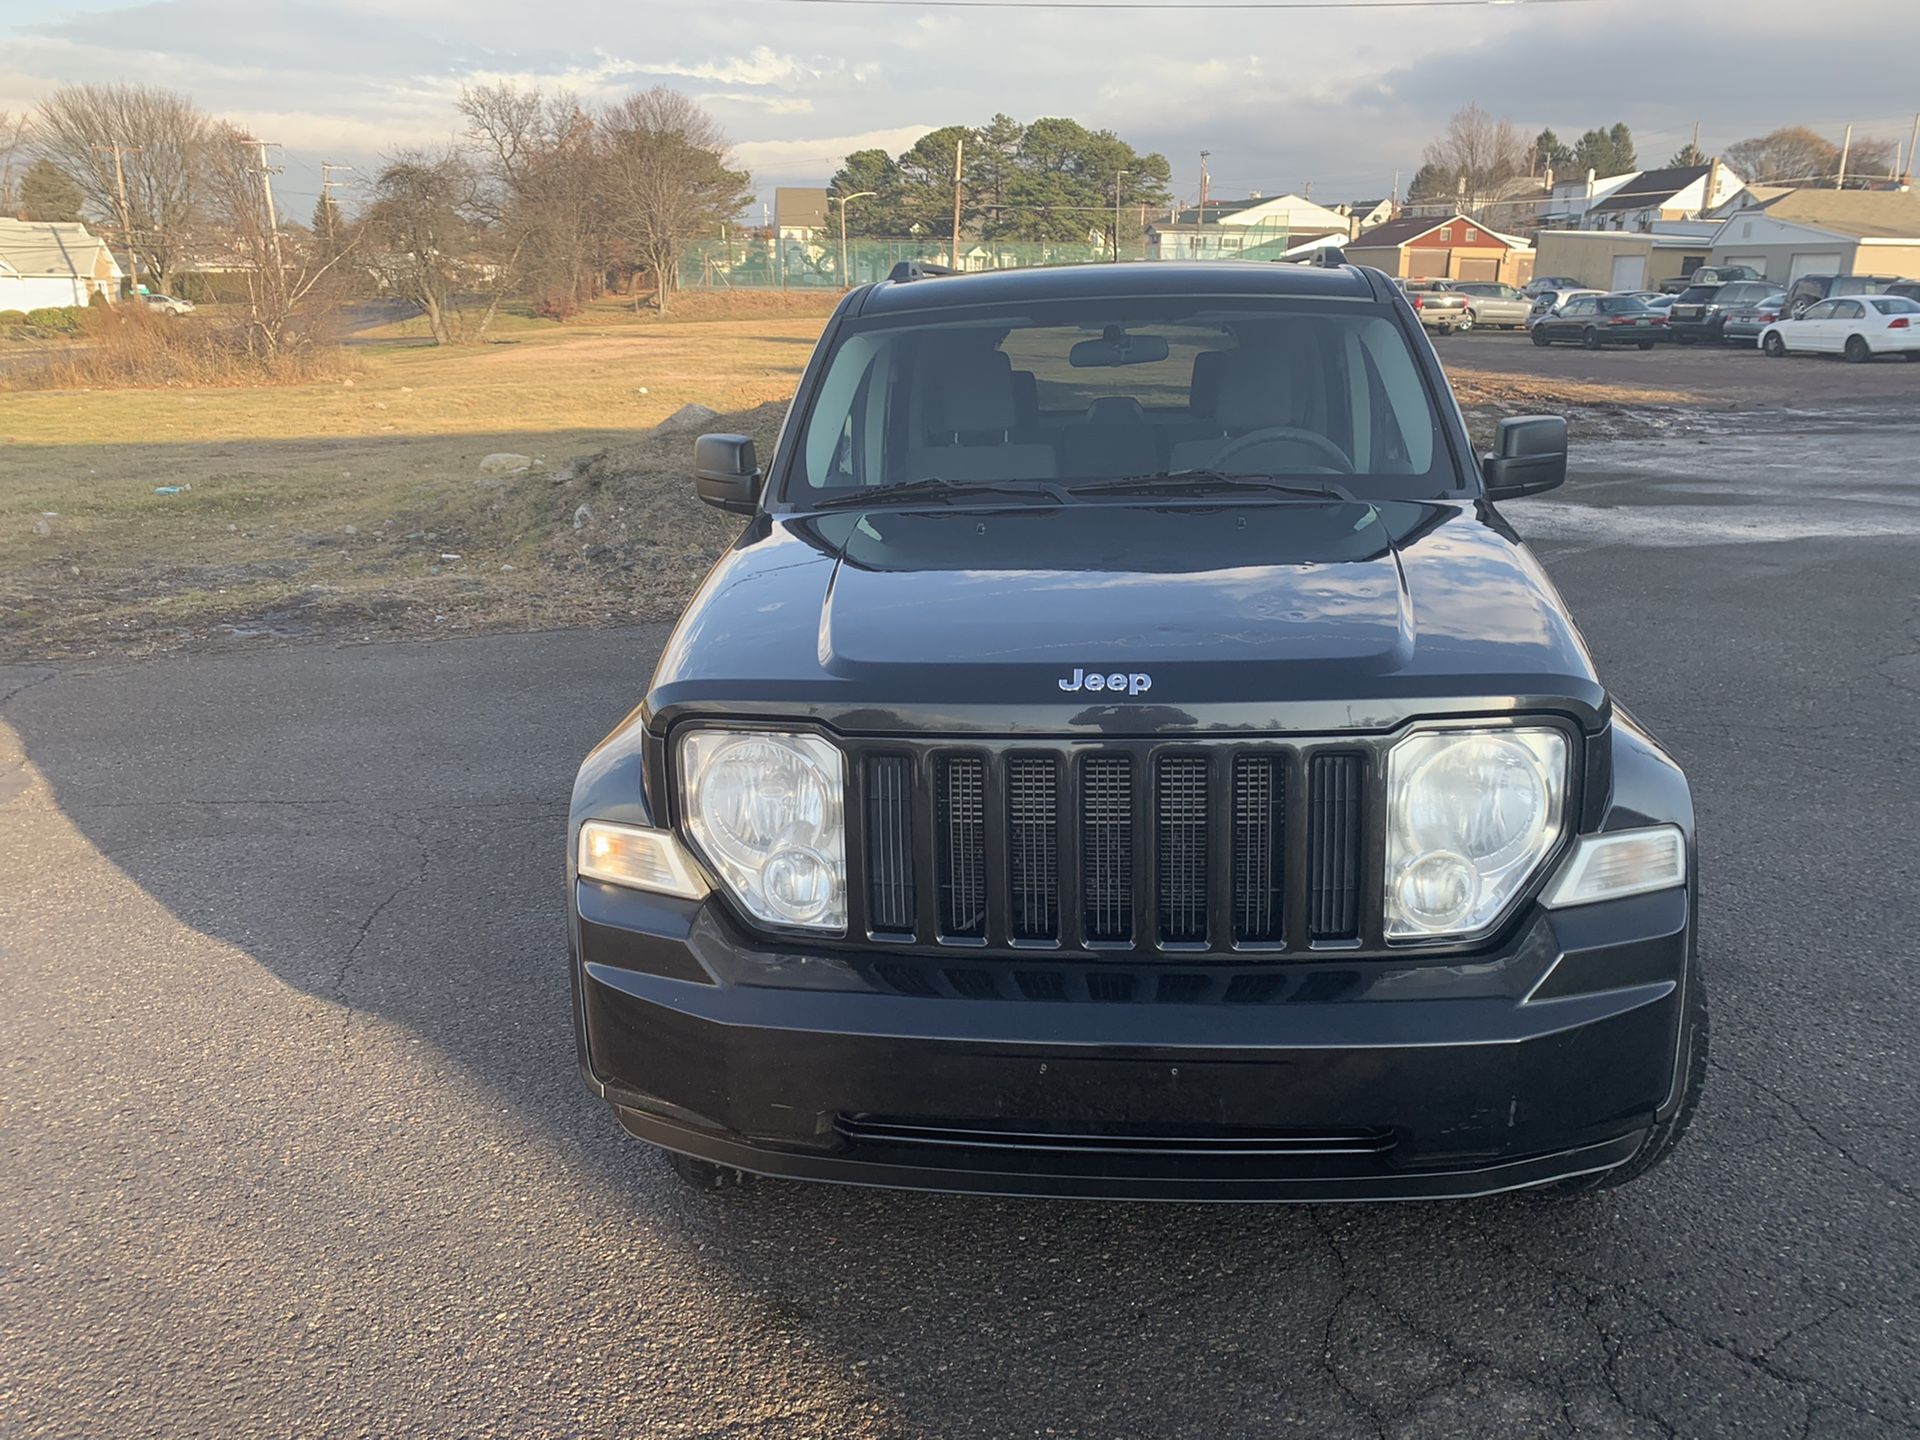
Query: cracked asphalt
{"x": 293, "y": 1143}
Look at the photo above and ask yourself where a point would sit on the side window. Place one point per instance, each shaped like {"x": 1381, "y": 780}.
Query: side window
{"x": 1823, "y": 311}
{"x": 1581, "y": 307}
{"x": 1848, "y": 310}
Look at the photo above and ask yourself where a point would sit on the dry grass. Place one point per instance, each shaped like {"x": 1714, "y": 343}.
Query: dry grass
{"x": 126, "y": 346}
{"x": 327, "y": 508}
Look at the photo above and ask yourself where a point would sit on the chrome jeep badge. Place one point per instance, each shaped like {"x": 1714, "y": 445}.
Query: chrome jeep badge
{"x": 1135, "y": 682}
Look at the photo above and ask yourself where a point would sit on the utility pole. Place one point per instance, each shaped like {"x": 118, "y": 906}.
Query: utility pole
{"x": 1204, "y": 178}
{"x": 1913, "y": 140}
{"x": 1307, "y": 194}
{"x": 846, "y": 280}
{"x": 1118, "y": 176}
{"x": 327, "y": 167}
{"x": 1846, "y": 146}
{"x": 267, "y": 172}
{"x": 126, "y": 218}
{"x": 1696, "y": 137}
{"x": 959, "y": 147}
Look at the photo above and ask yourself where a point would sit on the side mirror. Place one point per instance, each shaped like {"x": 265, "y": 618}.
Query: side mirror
{"x": 1530, "y": 455}
{"x": 726, "y": 473}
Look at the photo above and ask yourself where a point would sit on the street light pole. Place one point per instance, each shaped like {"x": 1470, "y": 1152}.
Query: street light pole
{"x": 844, "y": 199}
{"x": 1118, "y": 176}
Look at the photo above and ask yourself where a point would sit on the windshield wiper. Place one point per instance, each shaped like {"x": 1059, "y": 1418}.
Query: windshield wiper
{"x": 938, "y": 487}
{"x": 1212, "y": 482}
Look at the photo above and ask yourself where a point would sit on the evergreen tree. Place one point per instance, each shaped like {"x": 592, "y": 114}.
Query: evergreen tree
{"x": 48, "y": 193}
{"x": 1687, "y": 154}
{"x": 1550, "y": 153}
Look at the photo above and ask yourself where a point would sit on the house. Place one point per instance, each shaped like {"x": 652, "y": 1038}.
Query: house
{"x": 1365, "y": 214}
{"x": 800, "y": 212}
{"x": 1451, "y": 246}
{"x": 1680, "y": 192}
{"x": 1568, "y": 201}
{"x": 1625, "y": 259}
{"x": 1230, "y": 228}
{"x": 43, "y": 264}
{"x": 1824, "y": 232}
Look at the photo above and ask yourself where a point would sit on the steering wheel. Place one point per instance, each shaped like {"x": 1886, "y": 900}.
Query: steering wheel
{"x": 1283, "y": 434}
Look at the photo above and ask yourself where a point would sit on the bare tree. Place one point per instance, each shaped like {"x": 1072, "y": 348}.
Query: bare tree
{"x": 1793, "y": 154}
{"x": 667, "y": 180}
{"x": 293, "y": 288}
{"x": 1479, "y": 154}
{"x": 538, "y": 157}
{"x": 14, "y": 158}
{"x": 162, "y": 140}
{"x": 432, "y": 241}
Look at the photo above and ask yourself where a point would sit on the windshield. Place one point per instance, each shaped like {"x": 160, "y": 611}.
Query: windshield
{"x": 1698, "y": 293}
{"x": 1062, "y": 395}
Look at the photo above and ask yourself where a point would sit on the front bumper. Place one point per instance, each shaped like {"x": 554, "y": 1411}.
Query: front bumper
{"x": 1345, "y": 1079}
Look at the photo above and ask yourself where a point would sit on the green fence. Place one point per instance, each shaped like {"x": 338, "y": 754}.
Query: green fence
{"x": 814, "y": 263}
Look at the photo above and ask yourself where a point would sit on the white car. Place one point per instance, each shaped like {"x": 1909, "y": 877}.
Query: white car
{"x": 1549, "y": 302}
{"x": 170, "y": 304}
{"x": 1857, "y": 326}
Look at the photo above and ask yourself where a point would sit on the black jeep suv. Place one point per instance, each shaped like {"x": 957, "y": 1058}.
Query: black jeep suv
{"x": 1126, "y": 752}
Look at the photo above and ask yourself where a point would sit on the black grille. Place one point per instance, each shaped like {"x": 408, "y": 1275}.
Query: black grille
{"x": 1333, "y": 897}
{"x": 963, "y": 847}
{"x": 1180, "y": 880}
{"x": 1259, "y": 819}
{"x": 1115, "y": 849}
{"x": 1033, "y": 846}
{"x": 1106, "y": 847}
{"x": 890, "y": 844}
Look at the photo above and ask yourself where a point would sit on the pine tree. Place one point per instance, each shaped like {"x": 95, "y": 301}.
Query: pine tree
{"x": 48, "y": 193}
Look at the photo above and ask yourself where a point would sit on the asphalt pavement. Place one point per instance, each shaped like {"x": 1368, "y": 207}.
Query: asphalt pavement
{"x": 293, "y": 1143}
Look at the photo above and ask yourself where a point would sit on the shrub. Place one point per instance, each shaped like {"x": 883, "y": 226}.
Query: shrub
{"x": 62, "y": 319}
{"x": 13, "y": 317}
{"x": 133, "y": 346}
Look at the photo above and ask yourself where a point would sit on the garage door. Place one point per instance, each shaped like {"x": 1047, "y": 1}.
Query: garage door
{"x": 1629, "y": 273}
{"x": 1478, "y": 270}
{"x": 1427, "y": 262}
{"x": 1826, "y": 262}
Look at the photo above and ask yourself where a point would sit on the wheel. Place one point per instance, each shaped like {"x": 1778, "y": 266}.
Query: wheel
{"x": 704, "y": 1174}
{"x": 1540, "y": 337}
{"x": 1773, "y": 344}
{"x": 1857, "y": 351}
{"x": 1665, "y": 1135}
{"x": 1466, "y": 323}
{"x": 1646, "y": 344}
{"x": 1590, "y": 338}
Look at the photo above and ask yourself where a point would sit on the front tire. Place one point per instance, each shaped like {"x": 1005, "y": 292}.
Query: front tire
{"x": 1466, "y": 323}
{"x": 1857, "y": 351}
{"x": 1590, "y": 338}
{"x": 1664, "y": 1136}
{"x": 1646, "y": 344}
{"x": 1540, "y": 337}
{"x": 1773, "y": 345}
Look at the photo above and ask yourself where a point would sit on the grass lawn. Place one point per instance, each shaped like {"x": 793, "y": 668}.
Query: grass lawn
{"x": 330, "y": 507}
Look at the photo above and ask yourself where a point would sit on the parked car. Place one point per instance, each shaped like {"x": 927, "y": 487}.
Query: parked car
{"x": 1699, "y": 311}
{"x": 169, "y": 305}
{"x": 977, "y": 832}
{"x": 1909, "y": 288}
{"x": 1439, "y": 306}
{"x": 1858, "y": 327}
{"x": 1495, "y": 306}
{"x": 1710, "y": 275}
{"x": 1742, "y": 324}
{"x": 1540, "y": 284}
{"x": 1600, "y": 320}
{"x": 1811, "y": 289}
{"x": 1548, "y": 302}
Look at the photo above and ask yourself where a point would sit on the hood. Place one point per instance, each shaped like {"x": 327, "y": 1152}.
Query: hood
{"x": 1258, "y": 616}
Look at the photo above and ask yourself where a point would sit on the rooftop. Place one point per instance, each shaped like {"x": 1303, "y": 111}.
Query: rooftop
{"x": 44, "y": 247}
{"x": 1135, "y": 278}
{"x": 1863, "y": 214}
{"x": 1650, "y": 187}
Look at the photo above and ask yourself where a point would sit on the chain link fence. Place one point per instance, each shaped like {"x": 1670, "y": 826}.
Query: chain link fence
{"x": 757, "y": 263}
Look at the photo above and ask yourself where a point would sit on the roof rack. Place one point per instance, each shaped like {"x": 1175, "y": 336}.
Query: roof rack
{"x": 919, "y": 270}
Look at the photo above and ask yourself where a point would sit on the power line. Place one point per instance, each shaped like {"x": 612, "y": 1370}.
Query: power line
{"x": 1188, "y": 4}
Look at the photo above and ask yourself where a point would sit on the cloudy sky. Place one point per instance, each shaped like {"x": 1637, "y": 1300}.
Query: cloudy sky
{"x": 1339, "y": 98}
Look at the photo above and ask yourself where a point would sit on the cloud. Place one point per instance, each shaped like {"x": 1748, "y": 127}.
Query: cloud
{"x": 794, "y": 162}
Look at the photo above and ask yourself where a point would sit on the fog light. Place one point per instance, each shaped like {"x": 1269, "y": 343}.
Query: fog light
{"x": 799, "y": 884}
{"x": 638, "y": 858}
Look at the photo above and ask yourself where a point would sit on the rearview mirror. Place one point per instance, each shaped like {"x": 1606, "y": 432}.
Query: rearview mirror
{"x": 726, "y": 473}
{"x": 1117, "y": 347}
{"x": 1530, "y": 455}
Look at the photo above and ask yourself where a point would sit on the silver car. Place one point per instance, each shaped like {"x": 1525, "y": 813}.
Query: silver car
{"x": 1495, "y": 304}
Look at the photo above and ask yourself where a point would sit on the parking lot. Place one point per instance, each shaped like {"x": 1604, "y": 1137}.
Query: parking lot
{"x": 298, "y": 1145}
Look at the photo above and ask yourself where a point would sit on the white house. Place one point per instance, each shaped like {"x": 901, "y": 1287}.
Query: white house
{"x": 1680, "y": 192}
{"x": 43, "y": 264}
{"x": 1831, "y": 232}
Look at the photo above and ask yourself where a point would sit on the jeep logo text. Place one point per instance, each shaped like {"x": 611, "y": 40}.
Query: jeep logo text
{"x": 1136, "y": 682}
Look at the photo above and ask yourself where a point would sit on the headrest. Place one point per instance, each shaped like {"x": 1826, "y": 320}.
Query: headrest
{"x": 975, "y": 385}
{"x": 1203, "y": 399}
{"x": 1256, "y": 390}
{"x": 1026, "y": 397}
{"x": 1116, "y": 410}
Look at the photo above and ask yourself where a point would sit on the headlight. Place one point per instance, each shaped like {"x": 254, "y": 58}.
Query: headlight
{"x": 1471, "y": 814}
{"x": 638, "y": 858}
{"x": 764, "y": 808}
